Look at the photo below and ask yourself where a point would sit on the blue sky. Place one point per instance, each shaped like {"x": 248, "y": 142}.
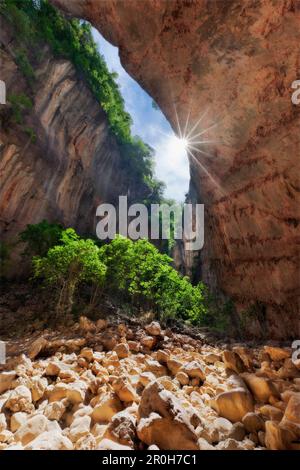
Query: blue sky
{"x": 171, "y": 163}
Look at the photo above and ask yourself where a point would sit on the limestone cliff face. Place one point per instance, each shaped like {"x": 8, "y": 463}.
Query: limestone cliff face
{"x": 235, "y": 60}
{"x": 75, "y": 162}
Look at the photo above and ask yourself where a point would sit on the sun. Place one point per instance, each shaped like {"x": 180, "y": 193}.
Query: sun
{"x": 182, "y": 143}
{"x": 178, "y": 145}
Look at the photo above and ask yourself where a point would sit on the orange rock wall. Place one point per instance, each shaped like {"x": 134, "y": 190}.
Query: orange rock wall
{"x": 236, "y": 61}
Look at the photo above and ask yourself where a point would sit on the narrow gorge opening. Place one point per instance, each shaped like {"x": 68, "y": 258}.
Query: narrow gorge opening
{"x": 68, "y": 136}
{"x": 149, "y": 123}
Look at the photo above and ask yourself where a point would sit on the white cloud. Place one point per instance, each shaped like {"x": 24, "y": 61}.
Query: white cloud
{"x": 172, "y": 166}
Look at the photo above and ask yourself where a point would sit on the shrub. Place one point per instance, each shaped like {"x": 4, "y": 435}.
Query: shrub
{"x": 31, "y": 134}
{"x": 67, "y": 265}
{"x": 138, "y": 272}
{"x": 20, "y": 104}
{"x": 25, "y": 66}
{"x": 220, "y": 314}
{"x": 133, "y": 273}
{"x": 40, "y": 237}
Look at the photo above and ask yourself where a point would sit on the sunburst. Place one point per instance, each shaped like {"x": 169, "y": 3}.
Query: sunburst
{"x": 191, "y": 138}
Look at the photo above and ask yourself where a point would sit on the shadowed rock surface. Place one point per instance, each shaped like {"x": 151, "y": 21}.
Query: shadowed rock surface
{"x": 73, "y": 165}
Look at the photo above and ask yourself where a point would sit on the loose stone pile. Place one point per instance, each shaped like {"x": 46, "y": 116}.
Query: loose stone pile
{"x": 148, "y": 388}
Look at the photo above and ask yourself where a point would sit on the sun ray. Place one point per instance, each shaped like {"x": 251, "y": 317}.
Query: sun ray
{"x": 178, "y": 124}
{"x": 197, "y": 123}
{"x": 193, "y": 142}
{"x": 206, "y": 172}
{"x": 196, "y": 149}
{"x": 186, "y": 123}
{"x": 206, "y": 130}
{"x": 192, "y": 146}
{"x": 166, "y": 134}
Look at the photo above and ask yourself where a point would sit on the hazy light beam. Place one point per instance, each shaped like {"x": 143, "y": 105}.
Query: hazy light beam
{"x": 196, "y": 149}
{"x": 206, "y": 172}
{"x": 178, "y": 124}
{"x": 197, "y": 123}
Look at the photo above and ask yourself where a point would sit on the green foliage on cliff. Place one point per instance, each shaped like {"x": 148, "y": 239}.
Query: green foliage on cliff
{"x": 31, "y": 134}
{"x": 138, "y": 160}
{"x": 19, "y": 105}
{"x": 135, "y": 273}
{"x": 36, "y": 22}
{"x": 25, "y": 66}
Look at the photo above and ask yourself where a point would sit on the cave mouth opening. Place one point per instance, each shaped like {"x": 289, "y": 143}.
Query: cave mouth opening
{"x": 171, "y": 163}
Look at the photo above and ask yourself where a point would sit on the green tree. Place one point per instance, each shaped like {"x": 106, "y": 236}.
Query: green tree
{"x": 139, "y": 273}
{"x": 67, "y": 265}
{"x": 38, "y": 238}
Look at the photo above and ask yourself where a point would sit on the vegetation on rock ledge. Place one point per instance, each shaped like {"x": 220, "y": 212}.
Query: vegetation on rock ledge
{"x": 36, "y": 22}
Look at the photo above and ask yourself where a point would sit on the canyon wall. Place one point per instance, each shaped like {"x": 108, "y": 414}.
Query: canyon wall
{"x": 231, "y": 62}
{"x": 61, "y": 161}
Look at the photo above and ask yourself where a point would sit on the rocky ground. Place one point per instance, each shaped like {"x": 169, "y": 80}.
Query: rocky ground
{"x": 116, "y": 385}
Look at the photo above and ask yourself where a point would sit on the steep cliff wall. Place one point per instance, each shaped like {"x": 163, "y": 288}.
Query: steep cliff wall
{"x": 237, "y": 60}
{"x": 74, "y": 162}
